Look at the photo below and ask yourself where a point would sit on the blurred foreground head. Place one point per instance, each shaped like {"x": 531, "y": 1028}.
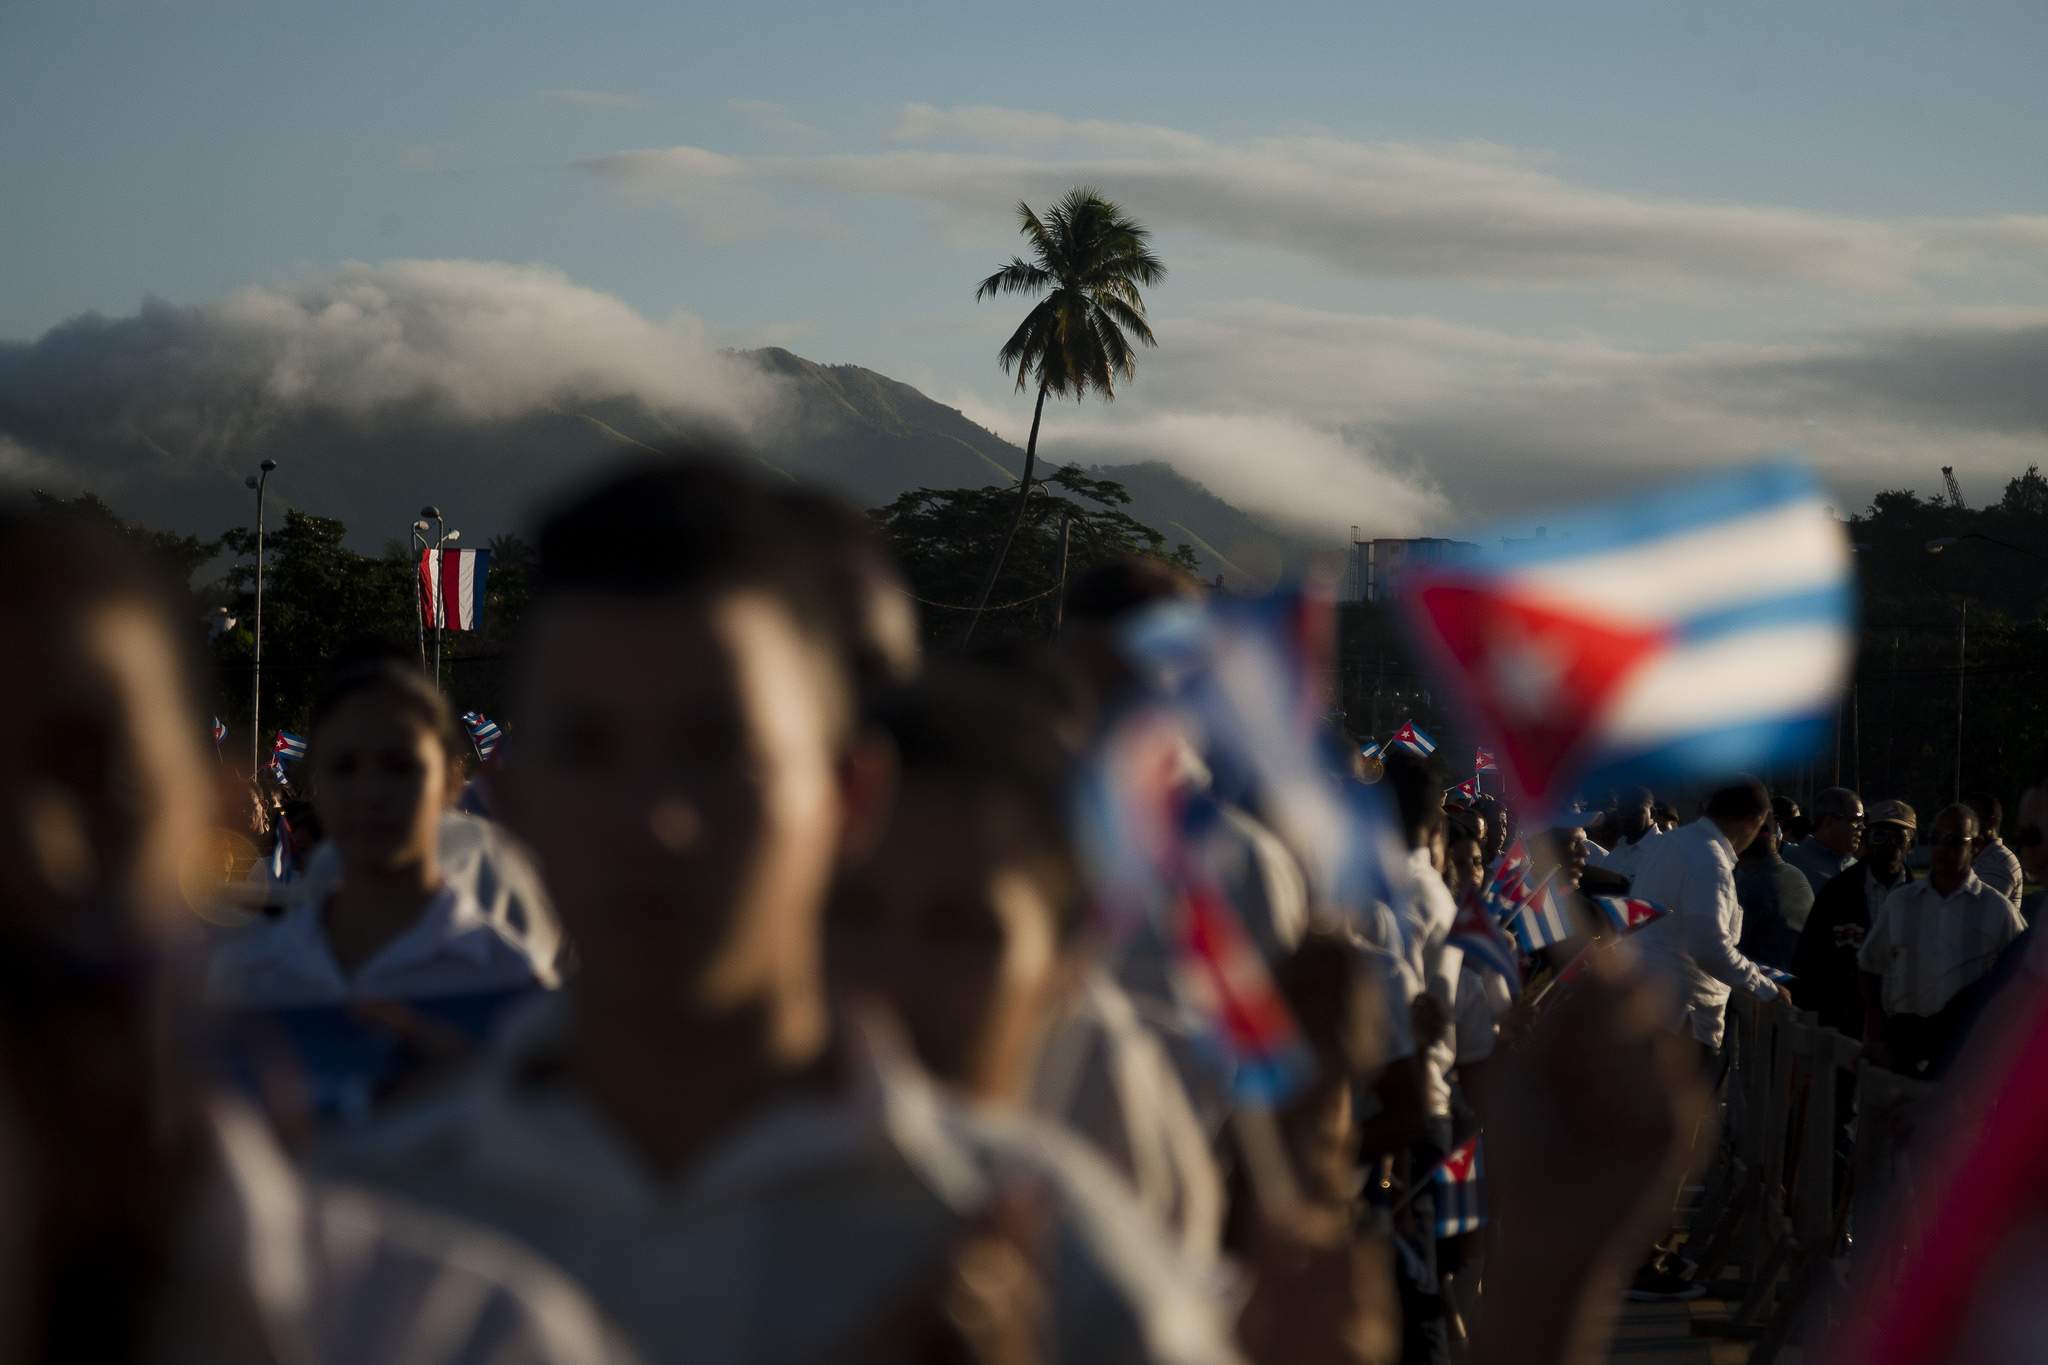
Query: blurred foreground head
{"x": 963, "y": 919}
{"x": 688, "y": 770}
{"x": 104, "y": 787}
{"x": 1098, "y": 606}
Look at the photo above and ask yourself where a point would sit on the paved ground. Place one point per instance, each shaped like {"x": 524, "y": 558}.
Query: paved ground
{"x": 1661, "y": 1334}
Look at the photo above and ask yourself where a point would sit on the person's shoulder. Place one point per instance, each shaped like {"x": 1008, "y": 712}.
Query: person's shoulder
{"x": 480, "y": 1294}
{"x": 1120, "y": 1273}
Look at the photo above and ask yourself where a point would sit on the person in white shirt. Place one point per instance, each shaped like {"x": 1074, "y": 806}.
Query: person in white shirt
{"x": 147, "y": 1219}
{"x": 1691, "y": 873}
{"x": 1995, "y": 865}
{"x": 735, "y": 1171}
{"x": 1634, "y": 833}
{"x": 1933, "y": 939}
{"x": 374, "y": 917}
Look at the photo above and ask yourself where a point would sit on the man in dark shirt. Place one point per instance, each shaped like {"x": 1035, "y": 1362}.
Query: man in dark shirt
{"x": 1824, "y": 965}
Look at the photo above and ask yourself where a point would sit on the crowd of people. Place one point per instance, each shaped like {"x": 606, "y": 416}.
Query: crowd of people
{"x": 751, "y": 1004}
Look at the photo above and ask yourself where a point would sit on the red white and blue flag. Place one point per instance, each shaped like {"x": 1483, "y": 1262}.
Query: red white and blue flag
{"x": 289, "y": 745}
{"x": 1411, "y": 738}
{"x": 1777, "y": 975}
{"x": 1627, "y": 913}
{"x": 1509, "y": 889}
{"x": 1703, "y": 627}
{"x": 1485, "y": 762}
{"x": 1466, "y": 791}
{"x": 452, "y": 588}
{"x": 1370, "y": 749}
{"x": 220, "y": 731}
{"x": 484, "y": 732}
{"x": 1543, "y": 919}
{"x": 1483, "y": 940}
{"x": 1460, "y": 1197}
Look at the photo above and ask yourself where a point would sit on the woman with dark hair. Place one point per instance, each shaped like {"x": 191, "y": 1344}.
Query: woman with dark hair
{"x": 384, "y": 958}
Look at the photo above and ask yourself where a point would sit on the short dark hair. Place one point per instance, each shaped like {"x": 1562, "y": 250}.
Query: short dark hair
{"x": 1739, "y": 798}
{"x": 1990, "y": 815}
{"x": 1006, "y": 737}
{"x": 1837, "y": 801}
{"x": 398, "y": 681}
{"x": 858, "y": 563}
{"x": 1416, "y": 792}
{"x": 696, "y": 523}
{"x": 1124, "y": 584}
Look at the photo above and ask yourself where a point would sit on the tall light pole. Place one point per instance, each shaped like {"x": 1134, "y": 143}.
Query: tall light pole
{"x": 419, "y": 607}
{"x": 442, "y": 535}
{"x": 261, "y": 485}
{"x": 1962, "y": 665}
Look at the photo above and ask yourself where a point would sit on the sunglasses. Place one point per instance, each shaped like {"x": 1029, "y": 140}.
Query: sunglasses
{"x": 1883, "y": 834}
{"x": 1950, "y": 840}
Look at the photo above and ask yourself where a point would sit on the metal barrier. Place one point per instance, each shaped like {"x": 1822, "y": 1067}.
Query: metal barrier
{"x": 1784, "y": 1194}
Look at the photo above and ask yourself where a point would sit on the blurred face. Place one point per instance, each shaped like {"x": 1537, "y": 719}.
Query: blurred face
{"x": 1840, "y": 834}
{"x": 1571, "y": 855}
{"x": 1886, "y": 849}
{"x": 2030, "y": 835}
{"x": 968, "y": 951}
{"x": 1951, "y": 846}
{"x": 677, "y": 777}
{"x": 1464, "y": 867}
{"x": 104, "y": 793}
{"x": 381, "y": 781}
{"x": 1634, "y": 820}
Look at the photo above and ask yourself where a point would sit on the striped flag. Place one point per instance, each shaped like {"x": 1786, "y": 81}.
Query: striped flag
{"x": 1411, "y": 738}
{"x": 1626, "y": 913}
{"x": 289, "y": 745}
{"x": 452, "y": 588}
{"x": 1700, "y": 628}
{"x": 1466, "y": 791}
{"x": 220, "y": 731}
{"x": 484, "y": 732}
{"x": 1509, "y": 887}
{"x": 277, "y": 772}
{"x": 1543, "y": 920}
{"x": 1370, "y": 749}
{"x": 280, "y": 866}
{"x": 1480, "y": 935}
{"x": 1460, "y": 1199}
{"x": 1776, "y": 975}
{"x": 1485, "y": 762}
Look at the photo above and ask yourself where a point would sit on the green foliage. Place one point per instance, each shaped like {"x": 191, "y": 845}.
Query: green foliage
{"x": 1088, "y": 259}
{"x": 183, "y": 556}
{"x": 943, "y": 538}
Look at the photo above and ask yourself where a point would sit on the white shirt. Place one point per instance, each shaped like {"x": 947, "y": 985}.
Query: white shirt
{"x": 1998, "y": 867}
{"x": 269, "y": 1267}
{"x": 1483, "y": 997}
{"x": 453, "y": 949}
{"x": 1428, "y": 912}
{"x": 1691, "y": 873}
{"x": 1928, "y": 946}
{"x": 808, "y": 1224}
{"x": 1625, "y": 857}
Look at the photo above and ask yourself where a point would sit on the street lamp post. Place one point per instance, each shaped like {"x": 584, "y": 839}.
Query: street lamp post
{"x": 442, "y": 535}
{"x": 419, "y": 605}
{"x": 1962, "y": 666}
{"x": 261, "y": 485}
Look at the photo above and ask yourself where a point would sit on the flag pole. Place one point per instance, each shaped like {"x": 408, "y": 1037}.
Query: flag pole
{"x": 261, "y": 485}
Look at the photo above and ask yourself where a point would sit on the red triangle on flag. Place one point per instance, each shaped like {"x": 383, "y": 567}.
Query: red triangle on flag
{"x": 1538, "y": 676}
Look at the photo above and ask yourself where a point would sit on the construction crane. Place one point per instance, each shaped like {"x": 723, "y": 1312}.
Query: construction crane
{"x": 1955, "y": 490}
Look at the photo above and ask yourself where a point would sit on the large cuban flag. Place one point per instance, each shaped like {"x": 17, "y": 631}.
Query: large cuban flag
{"x": 1699, "y": 628}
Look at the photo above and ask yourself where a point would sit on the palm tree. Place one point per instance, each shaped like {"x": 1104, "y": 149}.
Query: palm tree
{"x": 1088, "y": 260}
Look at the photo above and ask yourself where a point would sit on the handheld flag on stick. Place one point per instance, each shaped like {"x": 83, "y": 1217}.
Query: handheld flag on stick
{"x": 1370, "y": 749}
{"x": 1777, "y": 976}
{"x": 484, "y": 733}
{"x": 280, "y": 866}
{"x": 1466, "y": 791}
{"x": 1702, "y": 627}
{"x": 452, "y": 588}
{"x": 1460, "y": 1201}
{"x": 1411, "y": 738}
{"x": 288, "y": 745}
{"x": 220, "y": 732}
{"x": 1480, "y": 935}
{"x": 1542, "y": 920}
{"x": 1484, "y": 763}
{"x": 1626, "y": 913}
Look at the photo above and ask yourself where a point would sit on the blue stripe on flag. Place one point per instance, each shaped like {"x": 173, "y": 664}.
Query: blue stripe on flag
{"x": 1728, "y": 495}
{"x": 1731, "y": 748}
{"x": 1832, "y": 604}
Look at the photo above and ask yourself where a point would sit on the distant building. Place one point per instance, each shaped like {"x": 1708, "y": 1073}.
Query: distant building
{"x": 1376, "y": 565}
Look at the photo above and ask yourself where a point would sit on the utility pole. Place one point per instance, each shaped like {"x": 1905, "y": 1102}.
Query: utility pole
{"x": 1962, "y": 667}
{"x": 1059, "y": 601}
{"x": 261, "y": 485}
{"x": 442, "y": 535}
{"x": 419, "y": 601}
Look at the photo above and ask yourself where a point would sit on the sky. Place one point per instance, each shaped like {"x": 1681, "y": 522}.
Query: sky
{"x": 1426, "y": 263}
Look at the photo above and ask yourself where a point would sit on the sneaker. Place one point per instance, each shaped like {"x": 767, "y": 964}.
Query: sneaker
{"x": 1652, "y": 1285}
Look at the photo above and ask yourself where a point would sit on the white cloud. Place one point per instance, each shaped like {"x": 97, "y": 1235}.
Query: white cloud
{"x": 774, "y": 118}
{"x": 594, "y": 99}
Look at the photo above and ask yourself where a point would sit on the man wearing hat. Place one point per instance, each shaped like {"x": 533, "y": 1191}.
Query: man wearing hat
{"x": 1824, "y": 964}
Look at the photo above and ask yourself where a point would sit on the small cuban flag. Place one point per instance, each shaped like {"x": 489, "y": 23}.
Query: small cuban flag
{"x": 1480, "y": 935}
{"x": 1506, "y": 888}
{"x": 1411, "y": 738}
{"x": 220, "y": 731}
{"x": 1702, "y": 627}
{"x": 484, "y": 732}
{"x": 1466, "y": 791}
{"x": 289, "y": 745}
{"x": 1775, "y": 975}
{"x": 280, "y": 866}
{"x": 1460, "y": 1199}
{"x": 1626, "y": 913}
{"x": 277, "y": 772}
{"x": 1543, "y": 921}
{"x": 1369, "y": 749}
{"x": 1485, "y": 762}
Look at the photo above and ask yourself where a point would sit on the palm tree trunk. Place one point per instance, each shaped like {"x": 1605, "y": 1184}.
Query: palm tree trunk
{"x": 988, "y": 580}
